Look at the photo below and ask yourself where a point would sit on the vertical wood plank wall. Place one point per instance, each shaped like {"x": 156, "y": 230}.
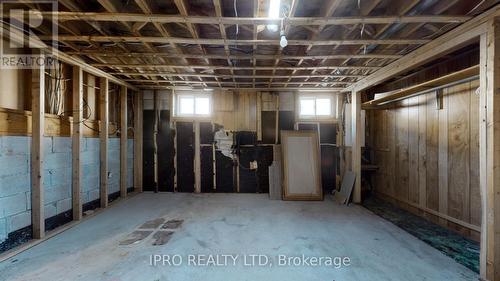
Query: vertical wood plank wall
{"x": 429, "y": 157}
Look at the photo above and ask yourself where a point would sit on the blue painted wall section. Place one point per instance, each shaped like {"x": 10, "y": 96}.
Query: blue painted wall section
{"x": 130, "y": 163}
{"x": 15, "y": 176}
{"x": 113, "y": 165}
{"x": 15, "y": 184}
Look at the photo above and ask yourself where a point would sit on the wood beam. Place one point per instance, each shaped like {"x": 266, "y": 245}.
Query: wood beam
{"x": 138, "y": 142}
{"x": 77, "y": 141}
{"x": 37, "y": 125}
{"x": 356, "y": 144}
{"x": 294, "y": 21}
{"x": 238, "y": 42}
{"x": 123, "y": 142}
{"x": 234, "y": 57}
{"x": 226, "y": 76}
{"x": 18, "y": 37}
{"x": 216, "y": 67}
{"x": 103, "y": 136}
{"x": 489, "y": 150}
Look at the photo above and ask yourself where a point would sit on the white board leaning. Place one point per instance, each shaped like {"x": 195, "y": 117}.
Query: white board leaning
{"x": 301, "y": 163}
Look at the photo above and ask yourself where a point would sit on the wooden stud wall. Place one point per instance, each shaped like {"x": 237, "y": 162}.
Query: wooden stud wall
{"x": 429, "y": 157}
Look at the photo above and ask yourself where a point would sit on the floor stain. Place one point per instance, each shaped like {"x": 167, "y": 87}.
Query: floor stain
{"x": 459, "y": 248}
{"x": 152, "y": 224}
{"x": 162, "y": 237}
{"x": 172, "y": 224}
{"x": 135, "y": 237}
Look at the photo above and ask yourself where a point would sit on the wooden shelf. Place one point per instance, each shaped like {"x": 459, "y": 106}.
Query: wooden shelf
{"x": 441, "y": 81}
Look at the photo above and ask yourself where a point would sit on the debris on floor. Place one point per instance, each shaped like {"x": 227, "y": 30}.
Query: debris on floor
{"x": 152, "y": 224}
{"x": 162, "y": 237}
{"x": 172, "y": 224}
{"x": 459, "y": 248}
{"x": 136, "y": 237}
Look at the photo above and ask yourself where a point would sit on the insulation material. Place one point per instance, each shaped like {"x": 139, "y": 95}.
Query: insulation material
{"x": 224, "y": 142}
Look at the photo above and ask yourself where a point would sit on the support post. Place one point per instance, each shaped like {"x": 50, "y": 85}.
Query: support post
{"x": 77, "y": 141}
{"x": 489, "y": 149}
{"x": 37, "y": 125}
{"x": 103, "y": 136}
{"x": 123, "y": 141}
{"x": 197, "y": 160}
{"x": 356, "y": 143}
{"x": 138, "y": 136}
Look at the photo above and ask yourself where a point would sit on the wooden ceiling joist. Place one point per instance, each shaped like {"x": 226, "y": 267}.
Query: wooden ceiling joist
{"x": 236, "y": 57}
{"x": 222, "y": 76}
{"x": 215, "y": 67}
{"x": 206, "y": 41}
{"x": 294, "y": 21}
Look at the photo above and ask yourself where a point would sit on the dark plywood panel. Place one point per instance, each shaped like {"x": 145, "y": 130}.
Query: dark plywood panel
{"x": 264, "y": 160}
{"x": 328, "y": 133}
{"x": 248, "y": 178}
{"x": 286, "y": 121}
{"x": 206, "y": 133}
{"x": 328, "y": 168}
{"x": 166, "y": 152}
{"x": 185, "y": 157}
{"x": 207, "y": 170}
{"x": 268, "y": 127}
{"x": 308, "y": 127}
{"x": 224, "y": 173}
{"x": 165, "y": 142}
{"x": 147, "y": 150}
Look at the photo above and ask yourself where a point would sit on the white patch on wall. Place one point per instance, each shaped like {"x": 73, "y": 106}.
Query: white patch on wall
{"x": 224, "y": 142}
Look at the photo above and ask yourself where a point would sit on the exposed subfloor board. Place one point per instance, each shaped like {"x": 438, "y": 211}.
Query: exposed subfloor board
{"x": 234, "y": 224}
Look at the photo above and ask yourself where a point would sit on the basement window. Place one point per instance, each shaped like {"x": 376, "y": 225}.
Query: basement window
{"x": 194, "y": 105}
{"x": 316, "y": 106}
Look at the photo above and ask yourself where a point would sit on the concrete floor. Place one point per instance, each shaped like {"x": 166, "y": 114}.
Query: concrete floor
{"x": 237, "y": 224}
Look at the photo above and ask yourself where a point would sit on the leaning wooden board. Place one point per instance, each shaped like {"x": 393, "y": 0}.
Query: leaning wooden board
{"x": 301, "y": 165}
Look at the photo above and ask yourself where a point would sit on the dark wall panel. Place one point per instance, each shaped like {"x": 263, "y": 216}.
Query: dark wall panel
{"x": 265, "y": 159}
{"x": 328, "y": 133}
{"x": 147, "y": 150}
{"x": 206, "y": 133}
{"x": 328, "y": 167}
{"x": 248, "y": 178}
{"x": 207, "y": 170}
{"x": 268, "y": 126}
{"x": 286, "y": 121}
{"x": 185, "y": 157}
{"x": 224, "y": 173}
{"x": 165, "y": 140}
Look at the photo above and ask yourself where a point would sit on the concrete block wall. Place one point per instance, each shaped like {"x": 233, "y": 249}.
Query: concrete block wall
{"x": 15, "y": 184}
{"x": 90, "y": 158}
{"x": 15, "y": 176}
{"x": 130, "y": 163}
{"x": 113, "y": 165}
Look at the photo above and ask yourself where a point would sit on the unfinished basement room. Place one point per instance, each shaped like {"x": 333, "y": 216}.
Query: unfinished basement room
{"x": 173, "y": 140}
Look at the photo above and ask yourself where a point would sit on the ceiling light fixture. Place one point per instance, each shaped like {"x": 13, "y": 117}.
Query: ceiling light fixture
{"x": 283, "y": 41}
{"x": 274, "y": 13}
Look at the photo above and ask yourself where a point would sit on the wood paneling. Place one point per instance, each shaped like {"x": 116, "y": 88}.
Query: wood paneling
{"x": 429, "y": 157}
